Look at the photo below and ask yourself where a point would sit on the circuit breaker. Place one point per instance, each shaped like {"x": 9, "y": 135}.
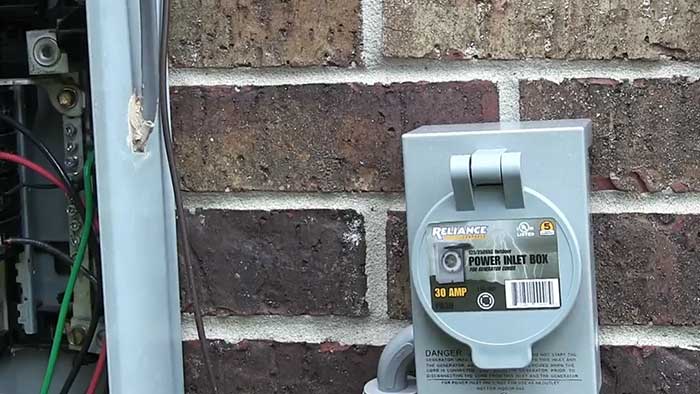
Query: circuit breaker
{"x": 500, "y": 254}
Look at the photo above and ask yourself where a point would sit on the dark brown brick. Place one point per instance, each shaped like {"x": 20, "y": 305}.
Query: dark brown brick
{"x": 647, "y": 270}
{"x": 312, "y": 137}
{"x": 514, "y": 29}
{"x": 645, "y": 131}
{"x": 262, "y": 367}
{"x": 398, "y": 274}
{"x": 209, "y": 33}
{"x": 295, "y": 262}
{"x": 650, "y": 370}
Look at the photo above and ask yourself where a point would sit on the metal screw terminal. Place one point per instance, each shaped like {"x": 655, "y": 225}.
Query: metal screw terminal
{"x": 46, "y": 52}
{"x": 67, "y": 98}
{"x": 71, "y": 162}
{"x": 76, "y": 336}
{"x": 70, "y": 130}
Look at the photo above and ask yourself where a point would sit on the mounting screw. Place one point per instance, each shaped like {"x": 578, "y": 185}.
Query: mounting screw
{"x": 70, "y": 130}
{"x": 72, "y": 211}
{"x": 67, "y": 98}
{"x": 70, "y": 148}
{"x": 76, "y": 336}
{"x": 75, "y": 225}
{"x": 46, "y": 52}
{"x": 71, "y": 162}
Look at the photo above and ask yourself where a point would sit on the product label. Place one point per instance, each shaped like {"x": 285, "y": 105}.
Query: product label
{"x": 453, "y": 367}
{"x": 494, "y": 265}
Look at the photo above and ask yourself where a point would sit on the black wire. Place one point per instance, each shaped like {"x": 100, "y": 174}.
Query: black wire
{"x": 75, "y": 198}
{"x": 96, "y": 314}
{"x": 9, "y": 219}
{"x": 59, "y": 255}
{"x": 72, "y": 193}
{"x": 93, "y": 241}
{"x": 79, "y": 359}
{"x": 181, "y": 219}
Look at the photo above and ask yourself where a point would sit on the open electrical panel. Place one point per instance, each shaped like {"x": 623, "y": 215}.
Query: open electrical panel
{"x": 44, "y": 87}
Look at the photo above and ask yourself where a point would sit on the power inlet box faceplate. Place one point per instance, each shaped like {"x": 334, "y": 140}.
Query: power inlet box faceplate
{"x": 501, "y": 266}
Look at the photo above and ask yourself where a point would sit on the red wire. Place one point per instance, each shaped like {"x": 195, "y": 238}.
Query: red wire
{"x": 99, "y": 368}
{"x": 11, "y": 157}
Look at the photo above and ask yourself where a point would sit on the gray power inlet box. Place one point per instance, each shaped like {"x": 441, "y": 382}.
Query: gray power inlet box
{"x": 502, "y": 274}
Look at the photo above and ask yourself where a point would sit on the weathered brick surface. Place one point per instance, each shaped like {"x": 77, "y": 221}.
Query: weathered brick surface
{"x": 262, "y": 367}
{"x": 312, "y": 137}
{"x": 650, "y": 370}
{"x": 645, "y": 131}
{"x": 292, "y": 262}
{"x": 398, "y": 274}
{"x": 557, "y": 29}
{"x": 211, "y": 33}
{"x": 647, "y": 269}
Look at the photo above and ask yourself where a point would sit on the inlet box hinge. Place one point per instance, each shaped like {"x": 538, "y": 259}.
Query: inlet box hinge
{"x": 486, "y": 167}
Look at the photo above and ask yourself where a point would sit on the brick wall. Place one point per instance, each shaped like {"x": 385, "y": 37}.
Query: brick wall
{"x": 288, "y": 116}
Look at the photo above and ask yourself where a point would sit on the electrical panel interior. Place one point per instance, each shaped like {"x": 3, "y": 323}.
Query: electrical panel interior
{"x": 44, "y": 87}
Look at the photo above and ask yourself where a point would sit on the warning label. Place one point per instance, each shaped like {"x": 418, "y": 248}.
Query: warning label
{"x": 494, "y": 265}
{"x": 454, "y": 367}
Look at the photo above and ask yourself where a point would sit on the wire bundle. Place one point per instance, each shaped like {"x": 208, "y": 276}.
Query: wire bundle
{"x": 77, "y": 262}
{"x": 88, "y": 236}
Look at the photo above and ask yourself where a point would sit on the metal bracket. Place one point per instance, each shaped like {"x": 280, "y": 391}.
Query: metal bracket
{"x": 486, "y": 167}
{"x": 44, "y": 54}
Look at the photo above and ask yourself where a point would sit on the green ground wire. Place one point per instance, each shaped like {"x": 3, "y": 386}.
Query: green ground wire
{"x": 65, "y": 303}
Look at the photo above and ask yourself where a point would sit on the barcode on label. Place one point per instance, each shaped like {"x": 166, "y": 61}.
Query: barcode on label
{"x": 532, "y": 293}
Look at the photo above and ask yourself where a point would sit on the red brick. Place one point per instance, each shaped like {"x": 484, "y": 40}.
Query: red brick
{"x": 294, "y": 262}
{"x": 208, "y": 33}
{"x": 650, "y": 370}
{"x": 398, "y": 273}
{"x": 644, "y": 132}
{"x": 647, "y": 271}
{"x": 516, "y": 29}
{"x": 262, "y": 367}
{"x": 312, "y": 137}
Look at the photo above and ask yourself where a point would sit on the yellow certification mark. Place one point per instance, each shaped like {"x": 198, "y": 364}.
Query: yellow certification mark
{"x": 547, "y": 227}
{"x": 450, "y": 292}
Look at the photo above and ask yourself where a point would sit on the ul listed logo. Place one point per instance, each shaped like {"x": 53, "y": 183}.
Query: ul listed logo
{"x": 525, "y": 230}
